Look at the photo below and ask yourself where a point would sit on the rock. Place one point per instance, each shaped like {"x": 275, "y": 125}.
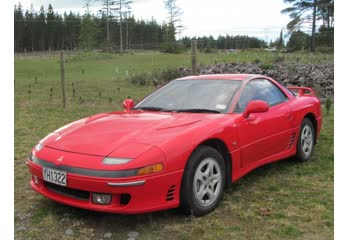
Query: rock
{"x": 295, "y": 74}
{"x": 24, "y": 216}
{"x": 133, "y": 234}
{"x": 107, "y": 235}
{"x": 21, "y": 228}
{"x": 69, "y": 232}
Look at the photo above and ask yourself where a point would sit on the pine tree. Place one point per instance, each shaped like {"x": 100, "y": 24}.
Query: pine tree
{"x": 19, "y": 27}
{"x": 108, "y": 8}
{"x": 88, "y": 33}
{"x": 174, "y": 18}
{"x": 41, "y": 29}
{"x": 50, "y": 19}
{"x": 123, "y": 7}
{"x": 301, "y": 12}
{"x": 280, "y": 43}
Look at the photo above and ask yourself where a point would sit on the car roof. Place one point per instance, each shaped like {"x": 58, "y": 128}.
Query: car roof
{"x": 222, "y": 77}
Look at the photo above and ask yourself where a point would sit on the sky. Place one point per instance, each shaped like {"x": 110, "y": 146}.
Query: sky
{"x": 260, "y": 18}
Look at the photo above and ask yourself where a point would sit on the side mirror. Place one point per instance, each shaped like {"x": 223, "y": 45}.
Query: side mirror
{"x": 128, "y": 104}
{"x": 255, "y": 106}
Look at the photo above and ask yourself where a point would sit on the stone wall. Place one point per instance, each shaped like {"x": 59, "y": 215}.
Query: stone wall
{"x": 318, "y": 76}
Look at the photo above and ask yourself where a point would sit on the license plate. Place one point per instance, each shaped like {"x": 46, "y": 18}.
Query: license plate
{"x": 55, "y": 176}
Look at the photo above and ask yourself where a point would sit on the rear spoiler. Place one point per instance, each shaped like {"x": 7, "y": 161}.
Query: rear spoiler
{"x": 302, "y": 91}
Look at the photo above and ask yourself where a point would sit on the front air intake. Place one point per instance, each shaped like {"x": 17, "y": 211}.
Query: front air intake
{"x": 291, "y": 140}
{"x": 171, "y": 193}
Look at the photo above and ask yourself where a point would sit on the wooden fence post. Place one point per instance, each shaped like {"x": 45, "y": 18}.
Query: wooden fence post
{"x": 194, "y": 56}
{"x": 63, "y": 80}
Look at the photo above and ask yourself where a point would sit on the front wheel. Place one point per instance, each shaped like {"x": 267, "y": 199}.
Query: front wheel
{"x": 305, "y": 144}
{"x": 203, "y": 181}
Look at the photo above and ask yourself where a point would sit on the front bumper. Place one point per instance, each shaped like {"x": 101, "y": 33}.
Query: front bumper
{"x": 129, "y": 195}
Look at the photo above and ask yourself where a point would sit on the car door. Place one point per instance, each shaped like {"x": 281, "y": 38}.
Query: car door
{"x": 263, "y": 134}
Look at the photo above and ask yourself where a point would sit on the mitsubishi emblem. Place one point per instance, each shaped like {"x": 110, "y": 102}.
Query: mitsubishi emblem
{"x": 60, "y": 159}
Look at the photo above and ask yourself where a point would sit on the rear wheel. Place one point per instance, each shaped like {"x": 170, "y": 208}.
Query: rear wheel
{"x": 203, "y": 181}
{"x": 305, "y": 144}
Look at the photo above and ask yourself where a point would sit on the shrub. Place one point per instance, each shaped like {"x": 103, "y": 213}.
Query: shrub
{"x": 256, "y": 60}
{"x": 209, "y": 50}
{"x": 266, "y": 66}
{"x": 278, "y": 59}
{"x": 156, "y": 78}
{"x": 140, "y": 79}
{"x": 173, "y": 48}
{"x": 169, "y": 74}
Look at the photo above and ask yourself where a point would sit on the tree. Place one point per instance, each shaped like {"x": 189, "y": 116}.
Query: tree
{"x": 88, "y": 33}
{"x": 326, "y": 12}
{"x": 19, "y": 27}
{"x": 41, "y": 28}
{"x": 298, "y": 41}
{"x": 108, "y": 7}
{"x": 302, "y": 11}
{"x": 123, "y": 9}
{"x": 50, "y": 19}
{"x": 326, "y": 31}
{"x": 87, "y": 5}
{"x": 279, "y": 43}
{"x": 174, "y": 18}
{"x": 72, "y": 29}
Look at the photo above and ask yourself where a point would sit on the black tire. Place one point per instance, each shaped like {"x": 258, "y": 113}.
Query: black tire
{"x": 189, "y": 202}
{"x": 302, "y": 155}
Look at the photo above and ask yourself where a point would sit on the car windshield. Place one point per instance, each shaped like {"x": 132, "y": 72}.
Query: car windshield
{"x": 212, "y": 96}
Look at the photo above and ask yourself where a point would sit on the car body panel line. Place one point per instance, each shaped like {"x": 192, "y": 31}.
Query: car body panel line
{"x": 126, "y": 184}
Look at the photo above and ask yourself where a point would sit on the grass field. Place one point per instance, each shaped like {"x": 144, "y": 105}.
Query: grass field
{"x": 284, "y": 200}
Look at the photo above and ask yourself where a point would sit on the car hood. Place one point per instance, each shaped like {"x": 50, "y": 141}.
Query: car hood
{"x": 129, "y": 134}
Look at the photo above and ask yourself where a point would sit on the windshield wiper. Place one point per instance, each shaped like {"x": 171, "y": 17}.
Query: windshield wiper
{"x": 197, "y": 110}
{"x": 151, "y": 109}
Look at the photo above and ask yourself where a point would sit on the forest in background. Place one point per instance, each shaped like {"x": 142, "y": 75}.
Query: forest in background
{"x": 47, "y": 30}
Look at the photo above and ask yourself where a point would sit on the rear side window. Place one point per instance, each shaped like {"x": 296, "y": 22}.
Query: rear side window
{"x": 260, "y": 89}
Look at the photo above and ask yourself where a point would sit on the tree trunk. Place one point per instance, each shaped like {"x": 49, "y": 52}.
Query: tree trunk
{"x": 313, "y": 27}
{"x": 108, "y": 39}
{"x": 121, "y": 26}
{"x": 127, "y": 35}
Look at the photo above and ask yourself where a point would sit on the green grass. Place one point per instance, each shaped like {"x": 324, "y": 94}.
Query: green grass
{"x": 299, "y": 195}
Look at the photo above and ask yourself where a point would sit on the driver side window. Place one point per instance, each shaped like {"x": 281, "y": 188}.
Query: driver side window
{"x": 260, "y": 89}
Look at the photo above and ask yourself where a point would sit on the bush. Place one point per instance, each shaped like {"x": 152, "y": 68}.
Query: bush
{"x": 140, "y": 79}
{"x": 256, "y": 61}
{"x": 209, "y": 50}
{"x": 169, "y": 74}
{"x": 156, "y": 78}
{"x": 173, "y": 48}
{"x": 278, "y": 59}
{"x": 266, "y": 66}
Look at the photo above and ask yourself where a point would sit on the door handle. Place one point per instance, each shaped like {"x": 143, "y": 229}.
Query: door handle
{"x": 289, "y": 116}
{"x": 251, "y": 120}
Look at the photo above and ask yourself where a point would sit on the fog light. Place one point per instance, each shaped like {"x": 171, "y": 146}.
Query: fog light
{"x": 100, "y": 198}
{"x": 36, "y": 180}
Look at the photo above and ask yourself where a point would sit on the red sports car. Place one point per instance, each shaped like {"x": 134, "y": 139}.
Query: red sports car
{"x": 178, "y": 147}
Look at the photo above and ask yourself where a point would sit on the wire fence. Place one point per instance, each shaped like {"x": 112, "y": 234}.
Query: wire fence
{"x": 104, "y": 79}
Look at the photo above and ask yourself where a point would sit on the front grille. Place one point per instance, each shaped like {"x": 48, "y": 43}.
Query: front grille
{"x": 70, "y": 192}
